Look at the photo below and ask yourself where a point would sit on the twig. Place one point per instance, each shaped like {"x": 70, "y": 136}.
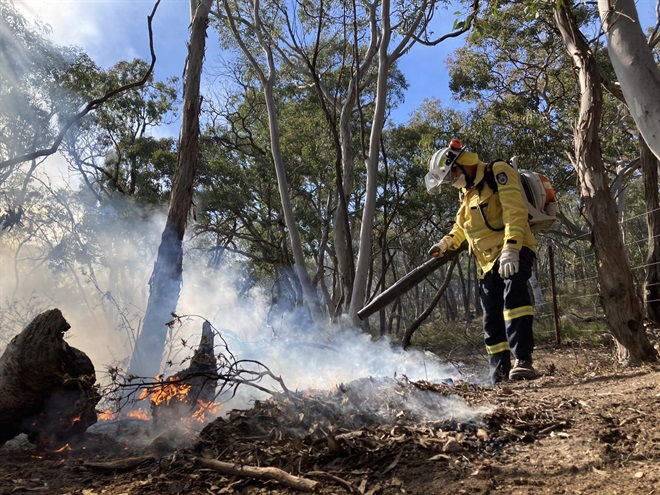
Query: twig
{"x": 120, "y": 464}
{"x": 340, "y": 481}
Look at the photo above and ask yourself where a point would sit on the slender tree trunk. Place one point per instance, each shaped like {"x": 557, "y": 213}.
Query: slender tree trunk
{"x": 616, "y": 285}
{"x": 635, "y": 68}
{"x": 358, "y": 297}
{"x": 342, "y": 228}
{"x": 166, "y": 279}
{"x": 650, "y": 166}
{"x": 267, "y": 76}
{"x": 296, "y": 245}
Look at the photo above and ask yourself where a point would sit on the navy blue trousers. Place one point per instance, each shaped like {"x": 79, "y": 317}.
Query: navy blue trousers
{"x": 508, "y": 316}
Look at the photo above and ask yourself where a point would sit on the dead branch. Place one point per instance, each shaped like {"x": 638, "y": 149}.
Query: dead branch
{"x": 340, "y": 481}
{"x": 260, "y": 473}
{"x": 120, "y": 464}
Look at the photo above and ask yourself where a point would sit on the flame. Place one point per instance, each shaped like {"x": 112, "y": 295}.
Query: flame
{"x": 165, "y": 392}
{"x": 139, "y": 414}
{"x": 205, "y": 408}
{"x": 61, "y": 449}
{"x": 107, "y": 415}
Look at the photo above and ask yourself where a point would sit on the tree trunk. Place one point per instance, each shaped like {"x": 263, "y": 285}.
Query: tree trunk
{"x": 46, "y": 387}
{"x": 635, "y": 68}
{"x": 358, "y": 297}
{"x": 166, "y": 279}
{"x": 616, "y": 285}
{"x": 650, "y": 166}
{"x": 345, "y": 185}
{"x": 267, "y": 80}
{"x": 191, "y": 390}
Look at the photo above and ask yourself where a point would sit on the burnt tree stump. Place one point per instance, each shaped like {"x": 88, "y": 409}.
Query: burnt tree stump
{"x": 47, "y": 388}
{"x": 189, "y": 390}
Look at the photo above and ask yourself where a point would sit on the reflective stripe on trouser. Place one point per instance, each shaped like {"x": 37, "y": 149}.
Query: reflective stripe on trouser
{"x": 508, "y": 311}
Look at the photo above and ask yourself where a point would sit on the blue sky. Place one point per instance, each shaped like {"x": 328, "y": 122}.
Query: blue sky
{"x": 114, "y": 30}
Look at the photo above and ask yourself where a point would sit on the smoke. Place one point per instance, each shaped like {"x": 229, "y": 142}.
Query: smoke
{"x": 307, "y": 357}
{"x": 101, "y": 287}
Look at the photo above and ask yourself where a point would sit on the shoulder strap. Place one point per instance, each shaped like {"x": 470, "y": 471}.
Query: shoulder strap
{"x": 489, "y": 176}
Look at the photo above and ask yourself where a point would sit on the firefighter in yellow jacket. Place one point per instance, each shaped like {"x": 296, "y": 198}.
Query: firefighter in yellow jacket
{"x": 493, "y": 219}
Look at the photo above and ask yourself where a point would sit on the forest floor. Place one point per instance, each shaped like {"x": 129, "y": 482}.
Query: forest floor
{"x": 586, "y": 426}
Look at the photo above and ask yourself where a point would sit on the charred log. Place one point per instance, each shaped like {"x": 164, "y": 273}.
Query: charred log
{"x": 47, "y": 387}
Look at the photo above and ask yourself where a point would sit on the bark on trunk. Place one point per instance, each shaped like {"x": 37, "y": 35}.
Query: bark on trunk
{"x": 635, "y": 68}
{"x": 267, "y": 75}
{"x": 165, "y": 283}
{"x": 364, "y": 262}
{"x": 616, "y": 285}
{"x": 46, "y": 386}
{"x": 650, "y": 166}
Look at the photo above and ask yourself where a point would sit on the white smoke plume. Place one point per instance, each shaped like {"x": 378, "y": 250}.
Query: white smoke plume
{"x": 104, "y": 298}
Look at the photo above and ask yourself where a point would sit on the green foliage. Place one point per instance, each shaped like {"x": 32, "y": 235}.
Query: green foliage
{"x": 31, "y": 90}
{"x": 113, "y": 149}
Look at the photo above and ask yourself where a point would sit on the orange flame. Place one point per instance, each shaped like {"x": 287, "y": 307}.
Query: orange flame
{"x": 139, "y": 414}
{"x": 107, "y": 415}
{"x": 166, "y": 392}
{"x": 61, "y": 449}
{"x": 204, "y": 409}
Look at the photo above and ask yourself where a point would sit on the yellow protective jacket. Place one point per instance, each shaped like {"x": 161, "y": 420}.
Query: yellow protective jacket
{"x": 504, "y": 208}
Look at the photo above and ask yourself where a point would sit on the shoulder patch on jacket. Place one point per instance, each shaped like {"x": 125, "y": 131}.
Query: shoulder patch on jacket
{"x": 502, "y": 178}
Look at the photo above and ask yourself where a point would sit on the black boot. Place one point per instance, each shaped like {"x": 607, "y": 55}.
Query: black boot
{"x": 500, "y": 366}
{"x": 523, "y": 370}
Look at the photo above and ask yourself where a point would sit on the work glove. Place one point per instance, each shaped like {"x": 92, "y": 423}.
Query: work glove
{"x": 509, "y": 262}
{"x": 439, "y": 248}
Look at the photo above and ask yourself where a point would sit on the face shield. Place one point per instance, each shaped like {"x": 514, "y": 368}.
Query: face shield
{"x": 440, "y": 168}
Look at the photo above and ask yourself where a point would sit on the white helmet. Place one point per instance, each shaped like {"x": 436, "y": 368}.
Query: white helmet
{"x": 440, "y": 166}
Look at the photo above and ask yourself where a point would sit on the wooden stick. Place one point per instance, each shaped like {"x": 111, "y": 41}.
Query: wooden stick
{"x": 120, "y": 464}
{"x": 261, "y": 473}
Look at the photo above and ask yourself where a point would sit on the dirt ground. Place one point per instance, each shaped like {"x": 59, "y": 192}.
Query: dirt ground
{"x": 586, "y": 426}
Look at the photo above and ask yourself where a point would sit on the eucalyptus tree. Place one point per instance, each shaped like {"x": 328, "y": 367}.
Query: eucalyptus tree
{"x": 347, "y": 52}
{"x": 252, "y": 27}
{"x": 32, "y": 100}
{"x": 637, "y": 71}
{"x": 113, "y": 150}
{"x": 239, "y": 204}
{"x": 616, "y": 284}
{"x": 638, "y": 74}
{"x": 166, "y": 279}
{"x": 43, "y": 89}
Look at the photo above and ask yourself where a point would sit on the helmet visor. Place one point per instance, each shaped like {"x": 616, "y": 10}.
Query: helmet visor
{"x": 440, "y": 169}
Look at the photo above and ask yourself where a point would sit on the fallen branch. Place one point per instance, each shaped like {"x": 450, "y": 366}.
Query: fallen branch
{"x": 119, "y": 464}
{"x": 340, "y": 481}
{"x": 260, "y": 473}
